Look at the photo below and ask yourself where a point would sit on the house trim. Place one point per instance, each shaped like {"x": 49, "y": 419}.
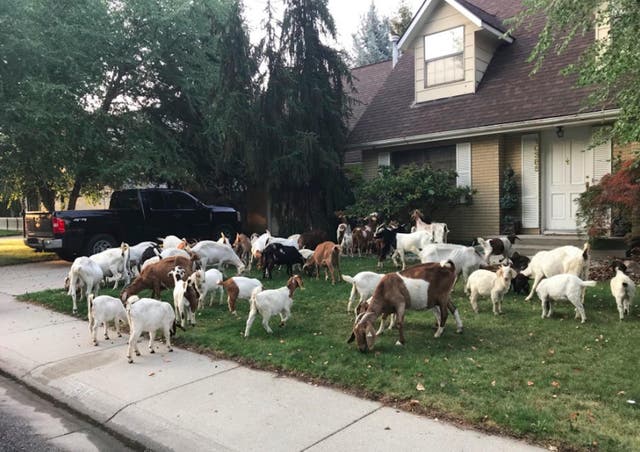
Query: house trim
{"x": 408, "y": 36}
{"x": 514, "y": 127}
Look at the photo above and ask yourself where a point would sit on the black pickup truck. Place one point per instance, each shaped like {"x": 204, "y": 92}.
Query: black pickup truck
{"x": 133, "y": 216}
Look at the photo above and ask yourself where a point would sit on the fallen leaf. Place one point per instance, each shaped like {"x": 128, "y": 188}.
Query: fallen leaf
{"x": 420, "y": 387}
{"x": 552, "y": 352}
{"x": 530, "y": 383}
{"x": 387, "y": 428}
{"x": 621, "y": 393}
{"x": 493, "y": 383}
{"x": 151, "y": 374}
{"x": 555, "y": 384}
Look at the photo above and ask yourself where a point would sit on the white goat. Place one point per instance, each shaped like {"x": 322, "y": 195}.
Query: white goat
{"x": 563, "y": 287}
{"x": 85, "y": 276}
{"x": 211, "y": 252}
{"x": 363, "y": 284}
{"x": 147, "y": 314}
{"x": 410, "y": 243}
{"x": 272, "y": 302}
{"x": 239, "y": 287}
{"x": 170, "y": 252}
{"x": 104, "y": 309}
{"x": 172, "y": 241}
{"x": 114, "y": 262}
{"x": 485, "y": 283}
{"x": 180, "y": 303}
{"x": 565, "y": 259}
{"x": 465, "y": 258}
{"x": 623, "y": 290}
{"x": 212, "y": 278}
{"x": 135, "y": 253}
{"x": 347, "y": 241}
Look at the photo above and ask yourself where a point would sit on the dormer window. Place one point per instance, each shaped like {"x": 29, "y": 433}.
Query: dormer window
{"x": 444, "y": 56}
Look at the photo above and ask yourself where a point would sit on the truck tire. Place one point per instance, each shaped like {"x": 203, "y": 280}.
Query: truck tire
{"x": 65, "y": 256}
{"x": 100, "y": 242}
{"x": 228, "y": 230}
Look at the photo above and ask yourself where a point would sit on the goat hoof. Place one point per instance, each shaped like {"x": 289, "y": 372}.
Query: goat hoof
{"x": 137, "y": 353}
{"x": 459, "y": 331}
{"x": 129, "y": 360}
{"x": 152, "y": 351}
{"x": 399, "y": 344}
{"x": 95, "y": 343}
{"x": 170, "y": 350}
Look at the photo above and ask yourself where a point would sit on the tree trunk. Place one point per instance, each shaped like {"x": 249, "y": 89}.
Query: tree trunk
{"x": 48, "y": 197}
{"x": 634, "y": 237}
{"x": 75, "y": 194}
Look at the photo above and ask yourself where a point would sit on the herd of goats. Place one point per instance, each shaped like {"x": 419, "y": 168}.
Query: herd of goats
{"x": 558, "y": 274}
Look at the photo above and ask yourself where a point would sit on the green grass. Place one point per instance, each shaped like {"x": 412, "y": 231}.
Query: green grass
{"x": 4, "y": 233}
{"x": 14, "y": 251}
{"x": 553, "y": 381}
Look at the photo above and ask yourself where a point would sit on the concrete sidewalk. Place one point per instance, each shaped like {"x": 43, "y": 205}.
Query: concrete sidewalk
{"x": 187, "y": 401}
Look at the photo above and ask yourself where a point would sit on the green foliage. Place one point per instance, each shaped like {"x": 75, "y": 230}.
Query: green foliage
{"x": 302, "y": 114}
{"x": 608, "y": 67}
{"x": 509, "y": 197}
{"x": 554, "y": 381}
{"x": 371, "y": 41}
{"x": 397, "y": 191}
{"x": 402, "y": 19}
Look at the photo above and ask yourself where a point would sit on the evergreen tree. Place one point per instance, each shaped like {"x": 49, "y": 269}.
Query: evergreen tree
{"x": 303, "y": 113}
{"x": 371, "y": 41}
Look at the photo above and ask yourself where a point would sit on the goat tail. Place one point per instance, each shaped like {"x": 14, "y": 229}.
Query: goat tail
{"x": 347, "y": 279}
{"x": 132, "y": 299}
{"x": 588, "y": 283}
{"x": 585, "y": 250}
{"x": 448, "y": 263}
{"x": 254, "y": 297}
{"x": 73, "y": 280}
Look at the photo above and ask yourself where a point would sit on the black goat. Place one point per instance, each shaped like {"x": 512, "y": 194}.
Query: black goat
{"x": 278, "y": 254}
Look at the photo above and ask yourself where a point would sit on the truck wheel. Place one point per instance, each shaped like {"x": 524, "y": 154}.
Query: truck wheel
{"x": 228, "y": 230}
{"x": 100, "y": 242}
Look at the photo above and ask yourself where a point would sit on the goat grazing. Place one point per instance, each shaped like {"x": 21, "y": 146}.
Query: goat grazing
{"x": 500, "y": 246}
{"x": 494, "y": 284}
{"x": 147, "y": 314}
{"x": 465, "y": 258}
{"x": 564, "y": 286}
{"x": 211, "y": 252}
{"x": 104, "y": 309}
{"x": 211, "y": 283}
{"x": 238, "y": 287}
{"x": 326, "y": 254}
{"x": 277, "y": 254}
{"x": 114, "y": 262}
{"x": 623, "y": 289}
{"x": 565, "y": 259}
{"x": 271, "y": 302}
{"x": 423, "y": 286}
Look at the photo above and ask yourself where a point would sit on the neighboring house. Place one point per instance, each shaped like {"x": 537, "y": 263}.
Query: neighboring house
{"x": 462, "y": 97}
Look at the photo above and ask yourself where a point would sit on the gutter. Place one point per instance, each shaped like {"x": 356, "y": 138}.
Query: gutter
{"x": 513, "y": 127}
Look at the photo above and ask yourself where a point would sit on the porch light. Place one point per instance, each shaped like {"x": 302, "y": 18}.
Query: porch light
{"x": 559, "y": 132}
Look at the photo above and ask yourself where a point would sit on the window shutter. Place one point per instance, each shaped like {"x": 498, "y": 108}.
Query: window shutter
{"x": 384, "y": 158}
{"x": 530, "y": 182}
{"x": 463, "y": 164}
{"x": 601, "y": 159}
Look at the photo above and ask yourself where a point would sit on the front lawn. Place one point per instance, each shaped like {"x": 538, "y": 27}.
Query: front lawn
{"x": 14, "y": 251}
{"x": 553, "y": 381}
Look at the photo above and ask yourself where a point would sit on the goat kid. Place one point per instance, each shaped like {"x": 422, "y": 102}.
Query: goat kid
{"x": 147, "y": 314}
{"x": 563, "y": 287}
{"x": 623, "y": 289}
{"x": 102, "y": 310}
{"x": 271, "y": 302}
{"x": 238, "y": 287}
{"x": 493, "y": 284}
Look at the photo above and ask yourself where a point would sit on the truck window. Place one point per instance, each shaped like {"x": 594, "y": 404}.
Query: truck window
{"x": 125, "y": 200}
{"x": 153, "y": 200}
{"x": 179, "y": 201}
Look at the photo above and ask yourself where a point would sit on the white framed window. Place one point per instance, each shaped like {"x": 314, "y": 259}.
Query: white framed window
{"x": 444, "y": 56}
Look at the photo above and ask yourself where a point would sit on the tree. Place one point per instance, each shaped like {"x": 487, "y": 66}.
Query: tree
{"x": 303, "y": 112}
{"x": 398, "y": 191}
{"x": 402, "y": 19}
{"x": 371, "y": 41}
{"x": 608, "y": 66}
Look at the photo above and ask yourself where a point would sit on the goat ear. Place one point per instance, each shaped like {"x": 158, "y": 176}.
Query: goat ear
{"x": 352, "y": 338}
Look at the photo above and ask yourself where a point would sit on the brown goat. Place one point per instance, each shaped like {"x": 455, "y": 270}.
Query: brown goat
{"x": 326, "y": 254}
{"x": 156, "y": 277}
{"x": 242, "y": 247}
{"x": 423, "y": 286}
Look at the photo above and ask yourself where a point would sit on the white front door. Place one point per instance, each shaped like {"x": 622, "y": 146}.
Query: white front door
{"x": 568, "y": 170}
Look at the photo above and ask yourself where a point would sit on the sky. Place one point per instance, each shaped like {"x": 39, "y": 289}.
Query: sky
{"x": 346, "y": 14}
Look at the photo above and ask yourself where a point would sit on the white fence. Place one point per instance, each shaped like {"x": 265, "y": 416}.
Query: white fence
{"x": 11, "y": 223}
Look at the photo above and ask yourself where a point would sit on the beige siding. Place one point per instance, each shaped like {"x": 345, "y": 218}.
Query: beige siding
{"x": 444, "y": 18}
{"x": 482, "y": 218}
{"x": 485, "y": 47}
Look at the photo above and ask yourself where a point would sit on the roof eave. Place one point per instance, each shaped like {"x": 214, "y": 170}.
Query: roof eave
{"x": 591, "y": 118}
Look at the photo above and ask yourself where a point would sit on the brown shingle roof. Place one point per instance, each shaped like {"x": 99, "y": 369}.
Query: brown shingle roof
{"x": 367, "y": 80}
{"x": 507, "y": 93}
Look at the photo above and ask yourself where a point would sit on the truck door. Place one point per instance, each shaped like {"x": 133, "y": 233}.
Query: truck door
{"x": 190, "y": 215}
